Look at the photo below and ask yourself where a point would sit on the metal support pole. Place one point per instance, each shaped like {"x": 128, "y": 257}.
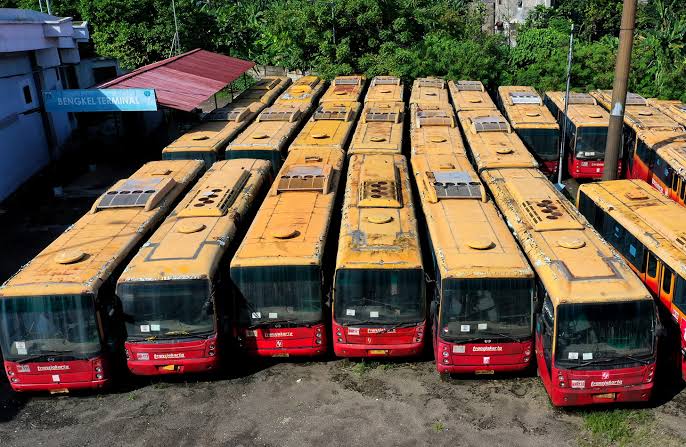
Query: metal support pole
{"x": 622, "y": 67}
{"x": 47, "y": 4}
{"x": 176, "y": 29}
{"x": 563, "y": 138}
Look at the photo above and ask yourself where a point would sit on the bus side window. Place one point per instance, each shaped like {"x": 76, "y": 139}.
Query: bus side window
{"x": 680, "y": 293}
{"x": 652, "y": 266}
{"x": 548, "y": 317}
{"x": 667, "y": 280}
{"x": 682, "y": 188}
{"x": 675, "y": 182}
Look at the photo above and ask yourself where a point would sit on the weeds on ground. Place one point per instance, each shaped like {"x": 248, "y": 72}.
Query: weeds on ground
{"x": 618, "y": 427}
{"x": 363, "y": 366}
{"x": 132, "y": 396}
{"x": 438, "y": 426}
{"x": 160, "y": 385}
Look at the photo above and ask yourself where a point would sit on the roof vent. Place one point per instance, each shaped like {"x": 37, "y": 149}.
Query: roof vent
{"x": 305, "y": 178}
{"x": 190, "y": 227}
{"x": 385, "y": 116}
{"x": 385, "y": 80}
{"x": 215, "y": 201}
{"x": 435, "y": 117}
{"x": 379, "y": 194}
{"x": 266, "y": 84}
{"x": 377, "y": 139}
{"x": 379, "y": 219}
{"x": 636, "y": 195}
{"x": 437, "y": 139}
{"x": 354, "y": 80}
{"x": 632, "y": 99}
{"x": 320, "y": 136}
{"x": 469, "y": 86}
{"x": 201, "y": 138}
{"x": 259, "y": 136}
{"x": 581, "y": 98}
{"x": 480, "y": 244}
{"x": 69, "y": 256}
{"x": 525, "y": 98}
{"x": 431, "y": 83}
{"x": 533, "y": 114}
{"x": 134, "y": 193}
{"x": 285, "y": 233}
{"x": 475, "y": 100}
{"x": 571, "y": 243}
{"x": 237, "y": 114}
{"x": 490, "y": 124}
{"x": 595, "y": 115}
{"x": 504, "y": 150}
{"x": 645, "y": 113}
{"x": 334, "y": 113}
{"x": 454, "y": 185}
{"x": 547, "y": 214}
{"x": 280, "y": 114}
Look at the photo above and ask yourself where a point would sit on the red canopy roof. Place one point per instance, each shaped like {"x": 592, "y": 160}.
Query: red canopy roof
{"x": 183, "y": 82}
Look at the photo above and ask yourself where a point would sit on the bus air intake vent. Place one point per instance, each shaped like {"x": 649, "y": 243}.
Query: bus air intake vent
{"x": 454, "y": 185}
{"x": 238, "y": 114}
{"x": 434, "y": 118}
{"x": 581, "y": 98}
{"x": 431, "y": 83}
{"x": 69, "y": 257}
{"x": 549, "y": 215}
{"x": 347, "y": 81}
{"x": 136, "y": 193}
{"x": 490, "y": 124}
{"x": 305, "y": 178}
{"x": 383, "y": 116}
{"x": 275, "y": 114}
{"x": 379, "y": 194}
{"x": 385, "y": 80}
{"x": 266, "y": 84}
{"x": 632, "y": 99}
{"x": 525, "y": 98}
{"x": 469, "y": 86}
{"x": 334, "y": 113}
{"x": 214, "y": 201}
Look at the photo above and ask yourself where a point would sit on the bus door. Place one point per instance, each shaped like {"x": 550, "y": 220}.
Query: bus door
{"x": 667, "y": 287}
{"x": 545, "y": 329}
{"x": 652, "y": 273}
{"x": 677, "y": 187}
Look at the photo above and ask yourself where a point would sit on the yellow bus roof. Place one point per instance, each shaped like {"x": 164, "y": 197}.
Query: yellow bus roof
{"x": 638, "y": 114}
{"x": 674, "y": 109}
{"x": 272, "y": 130}
{"x": 572, "y": 261}
{"x": 387, "y": 89}
{"x": 523, "y": 106}
{"x": 264, "y": 90}
{"x": 380, "y": 129}
{"x": 469, "y": 238}
{"x": 492, "y": 142}
{"x": 330, "y": 127}
{"x": 345, "y": 89}
{"x": 89, "y": 251}
{"x": 429, "y": 91}
{"x": 302, "y": 93}
{"x": 378, "y": 225}
{"x": 583, "y": 109}
{"x": 214, "y": 134}
{"x": 292, "y": 224}
{"x": 655, "y": 220}
{"x": 470, "y": 95}
{"x": 191, "y": 241}
{"x": 434, "y": 130}
{"x": 672, "y": 149}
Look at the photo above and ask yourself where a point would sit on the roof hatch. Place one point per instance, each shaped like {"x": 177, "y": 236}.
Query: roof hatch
{"x": 454, "y": 184}
{"x": 549, "y": 215}
{"x": 525, "y": 98}
{"x": 237, "y": 114}
{"x": 305, "y": 177}
{"x": 469, "y": 86}
{"x": 490, "y": 124}
{"x": 280, "y": 114}
{"x": 435, "y": 117}
{"x": 136, "y": 193}
{"x": 333, "y": 113}
{"x": 581, "y": 98}
{"x": 382, "y": 115}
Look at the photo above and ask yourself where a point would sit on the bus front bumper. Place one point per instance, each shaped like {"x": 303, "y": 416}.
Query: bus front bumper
{"x": 566, "y": 397}
{"x": 386, "y": 350}
{"x": 176, "y": 366}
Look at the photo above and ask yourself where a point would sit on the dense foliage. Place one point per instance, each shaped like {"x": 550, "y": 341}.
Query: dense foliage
{"x": 408, "y": 38}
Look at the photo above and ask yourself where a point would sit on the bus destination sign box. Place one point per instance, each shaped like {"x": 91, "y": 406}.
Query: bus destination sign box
{"x": 101, "y": 100}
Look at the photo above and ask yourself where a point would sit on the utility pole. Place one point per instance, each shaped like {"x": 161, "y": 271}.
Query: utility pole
{"x": 563, "y": 140}
{"x": 177, "y": 41}
{"x": 622, "y": 67}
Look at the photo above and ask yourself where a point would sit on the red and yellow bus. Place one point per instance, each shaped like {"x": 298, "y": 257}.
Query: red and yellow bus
{"x": 330, "y": 127}
{"x": 60, "y": 328}
{"x": 345, "y": 90}
{"x": 434, "y": 130}
{"x": 175, "y": 293}
{"x": 646, "y": 228}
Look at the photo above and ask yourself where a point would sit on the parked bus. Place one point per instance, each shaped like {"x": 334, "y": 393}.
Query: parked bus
{"x": 303, "y": 93}
{"x": 470, "y": 95}
{"x": 482, "y": 313}
{"x": 345, "y": 90}
{"x": 385, "y": 90}
{"x": 175, "y": 292}
{"x": 596, "y": 335}
{"x": 534, "y": 124}
{"x": 330, "y": 127}
{"x": 429, "y": 92}
{"x": 492, "y": 143}
{"x": 674, "y": 109}
{"x": 281, "y": 270}
{"x": 269, "y": 136}
{"x": 586, "y": 134}
{"x": 434, "y": 131}
{"x": 59, "y": 325}
{"x": 655, "y": 145}
{"x": 265, "y": 90}
{"x": 379, "y": 305}
{"x": 380, "y": 129}
{"x": 646, "y": 228}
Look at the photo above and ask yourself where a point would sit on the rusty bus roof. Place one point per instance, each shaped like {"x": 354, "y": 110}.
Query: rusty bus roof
{"x": 292, "y": 224}
{"x": 572, "y": 261}
{"x": 434, "y": 130}
{"x": 470, "y": 95}
{"x": 468, "y": 237}
{"x": 345, "y": 89}
{"x": 330, "y": 127}
{"x": 523, "y": 107}
{"x": 265, "y": 90}
{"x": 429, "y": 92}
{"x": 671, "y": 147}
{"x": 379, "y": 130}
{"x": 90, "y": 250}
{"x": 492, "y": 142}
{"x": 386, "y": 89}
{"x": 655, "y": 220}
{"x": 273, "y": 129}
{"x": 378, "y": 225}
{"x": 674, "y": 109}
{"x": 303, "y": 93}
{"x": 583, "y": 109}
{"x": 639, "y": 115}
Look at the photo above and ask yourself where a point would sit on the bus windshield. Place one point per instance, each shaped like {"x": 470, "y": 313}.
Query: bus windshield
{"x": 590, "y": 143}
{"x": 379, "y": 296}
{"x": 167, "y": 308}
{"x": 488, "y": 308}
{"x": 544, "y": 143}
{"x": 52, "y": 326}
{"x": 598, "y": 335}
{"x": 279, "y": 294}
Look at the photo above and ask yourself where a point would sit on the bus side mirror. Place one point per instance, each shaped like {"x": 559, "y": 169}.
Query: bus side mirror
{"x": 434, "y": 308}
{"x": 660, "y": 331}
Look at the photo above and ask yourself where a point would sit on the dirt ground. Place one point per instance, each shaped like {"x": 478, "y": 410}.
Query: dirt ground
{"x": 330, "y": 402}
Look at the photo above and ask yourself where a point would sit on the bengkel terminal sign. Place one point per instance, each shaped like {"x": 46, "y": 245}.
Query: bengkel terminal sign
{"x": 101, "y": 100}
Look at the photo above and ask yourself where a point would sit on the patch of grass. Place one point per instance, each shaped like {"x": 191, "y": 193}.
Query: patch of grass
{"x": 438, "y": 426}
{"x": 132, "y": 396}
{"x": 361, "y": 368}
{"x": 618, "y": 427}
{"x": 160, "y": 385}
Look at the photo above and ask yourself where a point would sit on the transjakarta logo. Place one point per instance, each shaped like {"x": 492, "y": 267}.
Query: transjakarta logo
{"x": 487, "y": 349}
{"x": 278, "y": 334}
{"x": 52, "y": 368}
{"x": 379, "y": 330}
{"x": 169, "y": 356}
{"x": 608, "y": 383}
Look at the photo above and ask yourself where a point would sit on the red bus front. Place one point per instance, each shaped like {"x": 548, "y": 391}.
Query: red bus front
{"x": 53, "y": 343}
{"x": 544, "y": 144}
{"x": 379, "y": 313}
{"x": 602, "y": 353}
{"x": 279, "y": 310}
{"x": 484, "y": 326}
{"x": 586, "y": 147}
{"x": 172, "y": 326}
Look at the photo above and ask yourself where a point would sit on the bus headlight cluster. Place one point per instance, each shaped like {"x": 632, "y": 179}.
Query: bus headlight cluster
{"x": 561, "y": 380}
{"x": 318, "y": 335}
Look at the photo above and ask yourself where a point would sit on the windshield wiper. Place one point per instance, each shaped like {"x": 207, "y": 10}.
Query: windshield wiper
{"x": 202, "y": 335}
{"x": 398, "y": 325}
{"x": 44, "y": 354}
{"x": 272, "y": 321}
{"x": 610, "y": 359}
{"x": 502, "y": 335}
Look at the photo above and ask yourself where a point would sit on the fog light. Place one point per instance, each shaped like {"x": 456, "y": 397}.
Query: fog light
{"x": 98, "y": 376}
{"x": 10, "y": 373}
{"x": 340, "y": 340}
{"x": 15, "y": 380}
{"x": 212, "y": 346}
{"x": 526, "y": 359}
{"x": 211, "y": 353}
{"x": 418, "y": 339}
{"x": 98, "y": 369}
{"x": 319, "y": 341}
{"x": 527, "y": 352}
{"x": 338, "y": 332}
{"x": 319, "y": 335}
{"x": 446, "y": 361}
{"x": 446, "y": 353}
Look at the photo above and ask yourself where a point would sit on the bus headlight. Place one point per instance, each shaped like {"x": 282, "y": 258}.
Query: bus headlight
{"x": 561, "y": 380}
{"x": 98, "y": 369}
{"x": 446, "y": 353}
{"x": 98, "y": 376}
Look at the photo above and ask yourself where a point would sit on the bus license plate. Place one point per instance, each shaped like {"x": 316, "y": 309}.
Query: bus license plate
{"x": 281, "y": 354}
{"x": 606, "y": 396}
{"x": 484, "y": 371}
{"x": 378, "y": 352}
{"x": 168, "y": 368}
